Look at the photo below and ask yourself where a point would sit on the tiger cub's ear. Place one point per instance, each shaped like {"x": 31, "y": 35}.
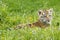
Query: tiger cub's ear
{"x": 39, "y": 12}
{"x": 50, "y": 10}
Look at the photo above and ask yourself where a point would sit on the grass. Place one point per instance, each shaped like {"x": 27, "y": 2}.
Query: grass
{"x": 13, "y": 12}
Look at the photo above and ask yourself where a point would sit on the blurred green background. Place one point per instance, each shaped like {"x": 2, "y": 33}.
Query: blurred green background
{"x": 13, "y": 12}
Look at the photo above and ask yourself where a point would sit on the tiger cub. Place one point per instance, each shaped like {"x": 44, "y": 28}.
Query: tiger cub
{"x": 44, "y": 20}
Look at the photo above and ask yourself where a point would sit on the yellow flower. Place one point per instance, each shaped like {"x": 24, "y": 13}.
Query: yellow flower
{"x": 3, "y": 38}
{"x": 30, "y": 32}
{"x": 30, "y": 18}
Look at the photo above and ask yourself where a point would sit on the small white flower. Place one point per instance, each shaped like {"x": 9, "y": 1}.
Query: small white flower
{"x": 34, "y": 32}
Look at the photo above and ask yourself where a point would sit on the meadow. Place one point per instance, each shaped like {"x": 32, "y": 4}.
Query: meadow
{"x": 13, "y": 12}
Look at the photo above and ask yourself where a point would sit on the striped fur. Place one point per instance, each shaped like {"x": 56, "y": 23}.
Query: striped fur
{"x": 45, "y": 17}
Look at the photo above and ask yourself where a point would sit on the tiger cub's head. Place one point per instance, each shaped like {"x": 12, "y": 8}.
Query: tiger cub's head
{"x": 45, "y": 16}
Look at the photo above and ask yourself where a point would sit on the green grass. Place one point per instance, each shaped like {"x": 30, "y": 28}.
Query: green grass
{"x": 13, "y": 12}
